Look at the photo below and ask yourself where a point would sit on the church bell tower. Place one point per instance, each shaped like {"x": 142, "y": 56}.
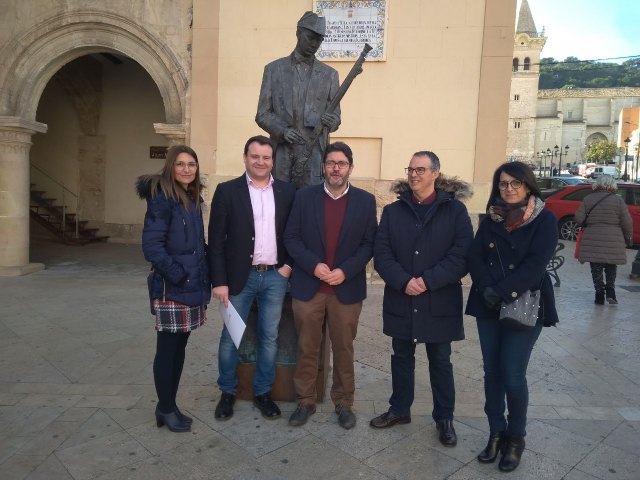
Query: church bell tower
{"x": 528, "y": 44}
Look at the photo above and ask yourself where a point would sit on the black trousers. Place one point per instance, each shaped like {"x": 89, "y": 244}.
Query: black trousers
{"x": 604, "y": 277}
{"x": 167, "y": 367}
{"x": 403, "y": 365}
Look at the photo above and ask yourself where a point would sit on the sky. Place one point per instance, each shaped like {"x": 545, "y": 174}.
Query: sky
{"x": 588, "y": 29}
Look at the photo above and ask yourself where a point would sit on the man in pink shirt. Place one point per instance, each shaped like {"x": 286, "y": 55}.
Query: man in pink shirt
{"x": 248, "y": 262}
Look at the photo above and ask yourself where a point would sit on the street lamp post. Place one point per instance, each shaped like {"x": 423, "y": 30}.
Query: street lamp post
{"x": 557, "y": 151}
{"x": 635, "y": 171}
{"x": 547, "y": 155}
{"x": 626, "y": 152}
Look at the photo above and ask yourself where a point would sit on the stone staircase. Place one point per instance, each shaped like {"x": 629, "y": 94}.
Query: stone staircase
{"x": 46, "y": 212}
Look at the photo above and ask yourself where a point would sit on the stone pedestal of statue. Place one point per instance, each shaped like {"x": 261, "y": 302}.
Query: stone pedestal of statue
{"x": 282, "y": 389}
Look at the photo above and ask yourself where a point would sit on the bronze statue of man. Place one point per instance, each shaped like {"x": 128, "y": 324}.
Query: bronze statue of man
{"x": 295, "y": 93}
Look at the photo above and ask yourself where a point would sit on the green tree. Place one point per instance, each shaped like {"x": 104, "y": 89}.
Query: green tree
{"x": 601, "y": 151}
{"x": 572, "y": 72}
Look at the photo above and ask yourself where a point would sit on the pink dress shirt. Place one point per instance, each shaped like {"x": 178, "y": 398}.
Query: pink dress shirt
{"x": 265, "y": 248}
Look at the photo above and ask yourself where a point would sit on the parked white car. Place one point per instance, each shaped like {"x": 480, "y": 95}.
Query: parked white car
{"x": 605, "y": 170}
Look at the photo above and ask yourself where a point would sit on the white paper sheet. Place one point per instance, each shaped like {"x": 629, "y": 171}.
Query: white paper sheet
{"x": 234, "y": 323}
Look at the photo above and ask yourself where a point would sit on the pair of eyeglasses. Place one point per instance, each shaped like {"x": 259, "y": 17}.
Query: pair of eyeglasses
{"x": 417, "y": 170}
{"x": 341, "y": 164}
{"x": 515, "y": 184}
{"x": 190, "y": 166}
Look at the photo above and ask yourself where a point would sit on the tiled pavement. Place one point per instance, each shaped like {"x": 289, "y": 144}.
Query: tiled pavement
{"x": 77, "y": 396}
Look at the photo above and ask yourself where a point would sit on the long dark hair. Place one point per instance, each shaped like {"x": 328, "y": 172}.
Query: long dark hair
{"x": 167, "y": 184}
{"x": 518, "y": 170}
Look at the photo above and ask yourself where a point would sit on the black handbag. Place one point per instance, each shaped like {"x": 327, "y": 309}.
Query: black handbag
{"x": 522, "y": 313}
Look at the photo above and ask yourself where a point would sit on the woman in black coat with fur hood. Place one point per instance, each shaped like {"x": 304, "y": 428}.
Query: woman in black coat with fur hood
{"x": 179, "y": 285}
{"x": 508, "y": 256}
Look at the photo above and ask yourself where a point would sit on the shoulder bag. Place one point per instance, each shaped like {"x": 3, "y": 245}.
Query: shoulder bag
{"x": 576, "y": 253}
{"x": 522, "y": 313}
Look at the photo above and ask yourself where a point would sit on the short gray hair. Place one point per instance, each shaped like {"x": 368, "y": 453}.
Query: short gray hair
{"x": 605, "y": 182}
{"x": 435, "y": 161}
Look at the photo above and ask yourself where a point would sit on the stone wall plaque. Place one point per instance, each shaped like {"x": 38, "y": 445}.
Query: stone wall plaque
{"x": 158, "y": 152}
{"x": 351, "y": 24}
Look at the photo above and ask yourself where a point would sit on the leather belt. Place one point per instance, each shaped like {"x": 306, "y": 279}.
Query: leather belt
{"x": 263, "y": 268}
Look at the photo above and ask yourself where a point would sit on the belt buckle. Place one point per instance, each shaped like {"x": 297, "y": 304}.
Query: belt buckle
{"x": 261, "y": 267}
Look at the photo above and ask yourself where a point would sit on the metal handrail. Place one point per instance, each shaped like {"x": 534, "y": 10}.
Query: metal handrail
{"x": 64, "y": 203}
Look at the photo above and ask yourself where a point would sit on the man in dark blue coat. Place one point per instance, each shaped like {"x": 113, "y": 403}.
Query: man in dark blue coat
{"x": 247, "y": 262}
{"x": 329, "y": 235}
{"x": 420, "y": 252}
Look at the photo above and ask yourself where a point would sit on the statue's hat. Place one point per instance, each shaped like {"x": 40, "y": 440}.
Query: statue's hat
{"x": 313, "y": 22}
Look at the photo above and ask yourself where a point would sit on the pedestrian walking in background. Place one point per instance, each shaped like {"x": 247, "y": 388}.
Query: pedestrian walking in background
{"x": 179, "y": 286}
{"x": 608, "y": 229}
{"x": 508, "y": 257}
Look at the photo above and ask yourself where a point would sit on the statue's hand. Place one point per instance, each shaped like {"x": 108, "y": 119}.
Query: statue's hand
{"x": 330, "y": 120}
{"x": 293, "y": 136}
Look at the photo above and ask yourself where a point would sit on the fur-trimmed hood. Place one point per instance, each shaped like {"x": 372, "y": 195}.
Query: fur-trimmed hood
{"x": 143, "y": 185}
{"x": 460, "y": 189}
{"x": 147, "y": 186}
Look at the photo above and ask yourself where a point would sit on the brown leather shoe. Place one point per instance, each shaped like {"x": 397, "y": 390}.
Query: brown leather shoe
{"x": 388, "y": 419}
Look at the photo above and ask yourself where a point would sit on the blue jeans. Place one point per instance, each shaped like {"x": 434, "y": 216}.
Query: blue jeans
{"x": 268, "y": 290}
{"x": 505, "y": 354}
{"x": 403, "y": 363}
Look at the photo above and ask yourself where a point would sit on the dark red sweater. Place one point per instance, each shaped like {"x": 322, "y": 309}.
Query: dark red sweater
{"x": 333, "y": 218}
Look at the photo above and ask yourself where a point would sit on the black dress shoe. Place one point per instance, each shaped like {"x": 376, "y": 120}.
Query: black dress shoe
{"x": 301, "y": 415}
{"x": 447, "y": 436}
{"x": 346, "y": 417}
{"x": 267, "y": 407}
{"x": 388, "y": 419}
{"x": 172, "y": 421}
{"x": 512, "y": 454}
{"x": 224, "y": 409}
{"x": 494, "y": 446}
{"x": 186, "y": 419}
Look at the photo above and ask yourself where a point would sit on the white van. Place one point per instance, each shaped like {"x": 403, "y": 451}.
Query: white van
{"x": 605, "y": 170}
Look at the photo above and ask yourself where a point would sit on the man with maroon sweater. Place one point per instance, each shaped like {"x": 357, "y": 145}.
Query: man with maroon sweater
{"x": 329, "y": 235}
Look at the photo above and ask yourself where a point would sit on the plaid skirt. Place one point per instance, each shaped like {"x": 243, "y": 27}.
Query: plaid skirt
{"x": 176, "y": 317}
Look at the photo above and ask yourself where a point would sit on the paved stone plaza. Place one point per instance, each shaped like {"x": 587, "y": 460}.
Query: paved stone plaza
{"x": 77, "y": 396}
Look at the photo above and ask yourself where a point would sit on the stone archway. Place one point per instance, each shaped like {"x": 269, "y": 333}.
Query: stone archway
{"x": 63, "y": 38}
{"x": 596, "y": 137}
{"x": 31, "y": 60}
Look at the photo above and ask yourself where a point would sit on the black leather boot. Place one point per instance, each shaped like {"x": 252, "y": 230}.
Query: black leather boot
{"x": 611, "y": 296}
{"x": 512, "y": 453}
{"x": 599, "y": 298}
{"x": 494, "y": 446}
{"x": 185, "y": 418}
{"x": 172, "y": 421}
